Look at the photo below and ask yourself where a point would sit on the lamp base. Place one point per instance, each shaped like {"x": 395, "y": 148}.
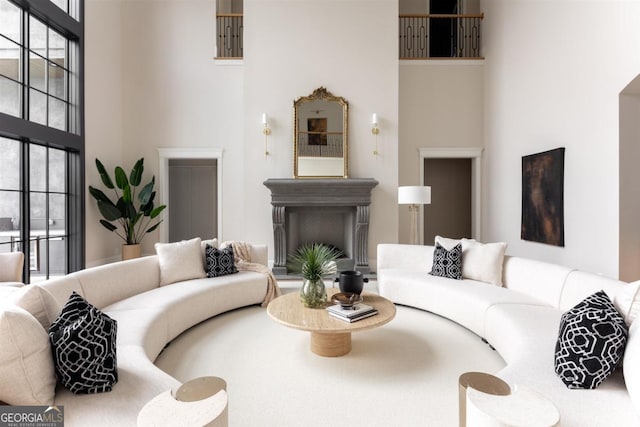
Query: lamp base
{"x": 415, "y": 238}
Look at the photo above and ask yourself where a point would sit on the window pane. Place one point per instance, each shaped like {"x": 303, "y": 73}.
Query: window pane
{"x": 10, "y": 170}
{"x": 57, "y": 214}
{"x": 57, "y": 81}
{"x": 57, "y": 114}
{"x": 57, "y": 48}
{"x": 36, "y": 72}
{"x": 37, "y": 171}
{"x": 57, "y": 170}
{"x": 37, "y": 107}
{"x": 37, "y": 257}
{"x": 57, "y": 256}
{"x": 37, "y": 37}
{"x": 10, "y": 14}
{"x": 9, "y": 216}
{"x": 9, "y": 59}
{"x": 9, "y": 97}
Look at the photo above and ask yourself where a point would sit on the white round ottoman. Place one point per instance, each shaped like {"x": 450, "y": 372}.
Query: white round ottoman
{"x": 199, "y": 402}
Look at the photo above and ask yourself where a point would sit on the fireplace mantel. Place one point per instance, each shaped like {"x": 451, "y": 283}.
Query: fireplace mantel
{"x": 289, "y": 194}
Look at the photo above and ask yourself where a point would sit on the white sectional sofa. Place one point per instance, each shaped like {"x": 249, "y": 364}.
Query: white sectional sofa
{"x": 149, "y": 316}
{"x": 520, "y": 320}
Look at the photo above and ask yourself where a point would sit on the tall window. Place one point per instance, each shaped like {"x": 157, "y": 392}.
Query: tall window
{"x": 42, "y": 135}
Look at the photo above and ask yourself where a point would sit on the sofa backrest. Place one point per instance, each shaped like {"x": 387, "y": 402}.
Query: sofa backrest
{"x": 541, "y": 280}
{"x": 404, "y": 257}
{"x": 109, "y": 283}
{"x": 580, "y": 285}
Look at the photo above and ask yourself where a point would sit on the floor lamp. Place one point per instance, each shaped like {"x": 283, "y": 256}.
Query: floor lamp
{"x": 414, "y": 196}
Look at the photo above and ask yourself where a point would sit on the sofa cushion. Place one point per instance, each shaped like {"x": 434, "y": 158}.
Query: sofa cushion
{"x": 539, "y": 279}
{"x": 203, "y": 250}
{"x": 483, "y": 261}
{"x": 447, "y": 263}
{"x": 631, "y": 366}
{"x": 180, "y": 261}
{"x": 220, "y": 262}
{"x": 40, "y": 303}
{"x": 627, "y": 302}
{"x": 465, "y": 301}
{"x": 26, "y": 367}
{"x": 591, "y": 342}
{"x": 83, "y": 340}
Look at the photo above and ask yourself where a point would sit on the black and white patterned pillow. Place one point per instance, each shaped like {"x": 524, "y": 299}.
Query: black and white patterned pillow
{"x": 591, "y": 342}
{"x": 447, "y": 263}
{"x": 220, "y": 262}
{"x": 83, "y": 343}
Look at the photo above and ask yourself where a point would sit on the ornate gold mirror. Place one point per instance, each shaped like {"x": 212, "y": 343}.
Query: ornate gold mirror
{"x": 320, "y": 136}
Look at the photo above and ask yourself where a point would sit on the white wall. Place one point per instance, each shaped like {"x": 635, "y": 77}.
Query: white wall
{"x": 103, "y": 114}
{"x": 554, "y": 70}
{"x": 173, "y": 94}
{"x": 441, "y": 105}
{"x": 295, "y": 46}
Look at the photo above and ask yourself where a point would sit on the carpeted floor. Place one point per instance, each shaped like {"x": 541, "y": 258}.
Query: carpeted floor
{"x": 402, "y": 374}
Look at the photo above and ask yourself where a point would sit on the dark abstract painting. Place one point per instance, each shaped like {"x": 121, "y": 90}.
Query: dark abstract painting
{"x": 543, "y": 197}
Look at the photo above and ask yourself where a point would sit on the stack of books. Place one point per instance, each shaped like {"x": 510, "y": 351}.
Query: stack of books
{"x": 352, "y": 314}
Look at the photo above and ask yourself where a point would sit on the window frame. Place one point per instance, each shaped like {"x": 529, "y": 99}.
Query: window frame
{"x": 71, "y": 141}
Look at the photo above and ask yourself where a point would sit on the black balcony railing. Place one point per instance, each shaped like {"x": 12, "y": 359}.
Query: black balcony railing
{"x": 229, "y": 39}
{"x": 440, "y": 36}
{"x": 421, "y": 36}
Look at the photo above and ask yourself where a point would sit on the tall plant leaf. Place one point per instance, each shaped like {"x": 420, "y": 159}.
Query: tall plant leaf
{"x": 121, "y": 178}
{"x": 104, "y": 175}
{"x": 109, "y": 211}
{"x": 156, "y": 211}
{"x": 154, "y": 227}
{"x": 126, "y": 193}
{"x": 136, "y": 173}
{"x": 108, "y": 225}
{"x": 145, "y": 193}
{"x": 98, "y": 194}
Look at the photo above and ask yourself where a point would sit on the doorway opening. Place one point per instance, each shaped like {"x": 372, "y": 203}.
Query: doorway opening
{"x": 191, "y": 187}
{"x": 454, "y": 175}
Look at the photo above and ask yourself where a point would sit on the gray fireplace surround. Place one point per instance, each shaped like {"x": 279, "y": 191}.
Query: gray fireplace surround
{"x": 329, "y": 211}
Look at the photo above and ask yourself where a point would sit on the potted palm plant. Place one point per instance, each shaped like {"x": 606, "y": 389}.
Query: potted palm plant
{"x": 313, "y": 262}
{"x": 132, "y": 213}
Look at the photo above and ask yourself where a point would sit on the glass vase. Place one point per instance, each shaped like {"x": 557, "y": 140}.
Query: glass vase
{"x": 313, "y": 293}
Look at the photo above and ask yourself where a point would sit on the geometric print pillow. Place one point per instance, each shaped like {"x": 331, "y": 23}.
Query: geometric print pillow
{"x": 447, "y": 263}
{"x": 220, "y": 262}
{"x": 83, "y": 342}
{"x": 591, "y": 342}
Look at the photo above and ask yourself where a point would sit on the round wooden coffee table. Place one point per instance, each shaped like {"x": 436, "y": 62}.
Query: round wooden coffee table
{"x": 330, "y": 337}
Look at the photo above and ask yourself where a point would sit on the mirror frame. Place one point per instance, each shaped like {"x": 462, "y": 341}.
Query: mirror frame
{"x": 321, "y": 94}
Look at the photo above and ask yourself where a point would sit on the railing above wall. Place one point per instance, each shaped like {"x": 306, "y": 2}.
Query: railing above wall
{"x": 229, "y": 37}
{"x": 422, "y": 36}
{"x": 430, "y": 36}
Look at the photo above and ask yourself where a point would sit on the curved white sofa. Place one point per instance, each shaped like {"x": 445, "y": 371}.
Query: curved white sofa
{"x": 149, "y": 317}
{"x": 520, "y": 320}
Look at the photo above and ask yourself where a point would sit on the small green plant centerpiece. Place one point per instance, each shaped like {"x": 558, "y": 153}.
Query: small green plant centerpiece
{"x": 132, "y": 213}
{"x": 313, "y": 262}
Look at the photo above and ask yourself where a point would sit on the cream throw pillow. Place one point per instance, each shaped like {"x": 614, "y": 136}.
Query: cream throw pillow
{"x": 627, "y": 302}
{"x": 483, "y": 261}
{"x": 26, "y": 364}
{"x": 180, "y": 261}
{"x": 449, "y": 244}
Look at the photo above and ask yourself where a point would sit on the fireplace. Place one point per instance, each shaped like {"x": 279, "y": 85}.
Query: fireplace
{"x": 329, "y": 211}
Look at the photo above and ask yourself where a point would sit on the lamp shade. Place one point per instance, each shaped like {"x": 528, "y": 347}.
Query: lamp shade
{"x": 414, "y": 195}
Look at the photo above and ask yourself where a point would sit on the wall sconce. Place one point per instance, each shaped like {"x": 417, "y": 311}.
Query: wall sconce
{"x": 266, "y": 131}
{"x": 375, "y": 130}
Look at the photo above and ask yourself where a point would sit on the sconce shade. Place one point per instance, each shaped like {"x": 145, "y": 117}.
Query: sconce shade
{"x": 414, "y": 195}
{"x": 264, "y": 118}
{"x": 374, "y": 119}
